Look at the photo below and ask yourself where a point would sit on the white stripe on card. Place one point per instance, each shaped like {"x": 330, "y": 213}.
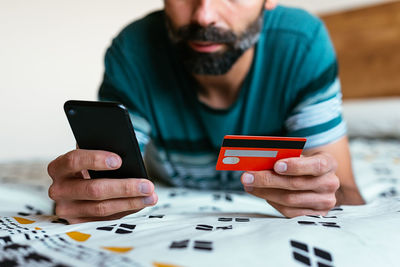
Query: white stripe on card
{"x": 250, "y": 153}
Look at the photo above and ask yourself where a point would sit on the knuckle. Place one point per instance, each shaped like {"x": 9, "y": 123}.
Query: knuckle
{"x": 100, "y": 209}
{"x": 97, "y": 160}
{"x": 53, "y": 192}
{"x": 266, "y": 177}
{"x": 295, "y": 165}
{"x": 72, "y": 160}
{"x": 292, "y": 199}
{"x": 61, "y": 210}
{"x": 332, "y": 184}
{"x": 51, "y": 169}
{"x": 134, "y": 205}
{"x": 295, "y": 183}
{"x": 328, "y": 203}
{"x": 129, "y": 188}
{"x": 94, "y": 189}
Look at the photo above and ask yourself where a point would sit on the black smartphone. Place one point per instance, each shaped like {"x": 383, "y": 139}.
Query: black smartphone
{"x": 106, "y": 126}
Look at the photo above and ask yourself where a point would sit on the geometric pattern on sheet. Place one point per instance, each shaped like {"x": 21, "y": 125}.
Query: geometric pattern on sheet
{"x": 203, "y": 228}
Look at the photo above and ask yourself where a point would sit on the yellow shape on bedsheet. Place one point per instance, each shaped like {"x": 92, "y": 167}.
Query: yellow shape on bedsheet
{"x": 119, "y": 249}
{"x": 23, "y": 220}
{"x": 78, "y": 236}
{"x": 159, "y": 264}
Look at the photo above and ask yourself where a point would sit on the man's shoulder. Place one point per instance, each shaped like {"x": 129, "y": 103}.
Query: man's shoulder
{"x": 292, "y": 21}
{"x": 145, "y": 31}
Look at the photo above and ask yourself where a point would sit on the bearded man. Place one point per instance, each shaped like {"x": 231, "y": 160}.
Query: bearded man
{"x": 202, "y": 69}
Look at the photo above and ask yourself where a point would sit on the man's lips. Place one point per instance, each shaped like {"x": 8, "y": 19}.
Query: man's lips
{"x": 205, "y": 47}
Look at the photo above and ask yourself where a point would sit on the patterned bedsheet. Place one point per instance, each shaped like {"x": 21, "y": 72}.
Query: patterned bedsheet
{"x": 204, "y": 228}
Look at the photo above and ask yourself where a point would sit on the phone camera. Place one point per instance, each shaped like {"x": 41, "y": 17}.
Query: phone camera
{"x": 71, "y": 112}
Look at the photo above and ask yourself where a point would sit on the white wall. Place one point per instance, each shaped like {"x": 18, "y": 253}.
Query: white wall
{"x": 52, "y": 51}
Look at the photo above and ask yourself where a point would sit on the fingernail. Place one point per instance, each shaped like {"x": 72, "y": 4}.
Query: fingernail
{"x": 281, "y": 167}
{"x": 248, "y": 178}
{"x": 145, "y": 188}
{"x": 112, "y": 162}
{"x": 148, "y": 200}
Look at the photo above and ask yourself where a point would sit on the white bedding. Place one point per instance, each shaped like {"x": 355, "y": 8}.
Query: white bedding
{"x": 194, "y": 228}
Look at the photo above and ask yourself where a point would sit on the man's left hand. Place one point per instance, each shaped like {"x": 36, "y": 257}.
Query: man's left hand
{"x": 297, "y": 186}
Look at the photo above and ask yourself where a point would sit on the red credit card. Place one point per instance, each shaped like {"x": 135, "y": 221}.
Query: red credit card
{"x": 256, "y": 153}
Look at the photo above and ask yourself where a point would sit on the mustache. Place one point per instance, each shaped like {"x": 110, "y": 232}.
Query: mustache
{"x": 195, "y": 32}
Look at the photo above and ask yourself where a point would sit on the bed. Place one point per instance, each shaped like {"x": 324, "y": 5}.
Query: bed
{"x": 219, "y": 228}
{"x": 203, "y": 228}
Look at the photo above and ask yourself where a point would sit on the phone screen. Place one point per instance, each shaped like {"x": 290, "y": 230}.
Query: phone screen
{"x": 106, "y": 126}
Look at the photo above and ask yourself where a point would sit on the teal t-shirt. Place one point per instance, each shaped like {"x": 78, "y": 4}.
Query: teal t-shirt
{"x": 292, "y": 89}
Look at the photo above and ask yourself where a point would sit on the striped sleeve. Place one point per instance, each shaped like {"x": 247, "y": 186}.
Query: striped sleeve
{"x": 319, "y": 117}
{"x": 142, "y": 130}
{"x": 316, "y": 112}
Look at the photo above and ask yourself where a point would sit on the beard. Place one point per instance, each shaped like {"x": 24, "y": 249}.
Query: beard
{"x": 217, "y": 63}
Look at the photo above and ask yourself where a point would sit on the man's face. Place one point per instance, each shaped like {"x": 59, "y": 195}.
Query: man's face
{"x": 211, "y": 35}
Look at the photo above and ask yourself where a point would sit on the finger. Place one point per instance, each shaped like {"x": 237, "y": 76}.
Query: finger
{"x": 269, "y": 179}
{"x": 316, "y": 165}
{"x": 100, "y": 189}
{"x": 93, "y": 219}
{"x": 295, "y": 199}
{"x": 103, "y": 209}
{"x": 291, "y": 212}
{"x": 77, "y": 160}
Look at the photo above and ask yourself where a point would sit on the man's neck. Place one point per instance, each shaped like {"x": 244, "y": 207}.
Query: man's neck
{"x": 221, "y": 91}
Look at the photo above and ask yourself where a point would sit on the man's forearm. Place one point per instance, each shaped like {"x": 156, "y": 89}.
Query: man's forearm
{"x": 347, "y": 195}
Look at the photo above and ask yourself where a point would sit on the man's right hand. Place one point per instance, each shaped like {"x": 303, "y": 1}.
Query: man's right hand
{"x": 81, "y": 199}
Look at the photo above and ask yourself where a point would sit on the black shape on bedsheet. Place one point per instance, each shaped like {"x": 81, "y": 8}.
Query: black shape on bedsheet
{"x": 122, "y": 228}
{"x": 299, "y": 245}
{"x": 322, "y": 254}
{"x": 242, "y": 219}
{"x": 391, "y": 192}
{"x": 179, "y": 244}
{"x": 198, "y": 244}
{"x": 307, "y": 222}
{"x": 37, "y": 257}
{"x": 31, "y": 211}
{"x": 302, "y": 254}
{"x": 330, "y": 224}
{"x": 61, "y": 221}
{"x": 9, "y": 262}
{"x": 204, "y": 227}
{"x": 326, "y": 224}
{"x": 156, "y": 216}
{"x": 226, "y": 196}
{"x": 15, "y": 246}
{"x": 301, "y": 258}
{"x": 229, "y": 227}
{"x": 5, "y": 240}
{"x": 314, "y": 216}
{"x": 203, "y": 245}
{"x": 177, "y": 194}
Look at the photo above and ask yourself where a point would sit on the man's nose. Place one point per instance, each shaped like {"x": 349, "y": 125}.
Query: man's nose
{"x": 205, "y": 13}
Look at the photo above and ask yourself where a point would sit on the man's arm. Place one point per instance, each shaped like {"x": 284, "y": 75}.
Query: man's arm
{"x": 348, "y": 193}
